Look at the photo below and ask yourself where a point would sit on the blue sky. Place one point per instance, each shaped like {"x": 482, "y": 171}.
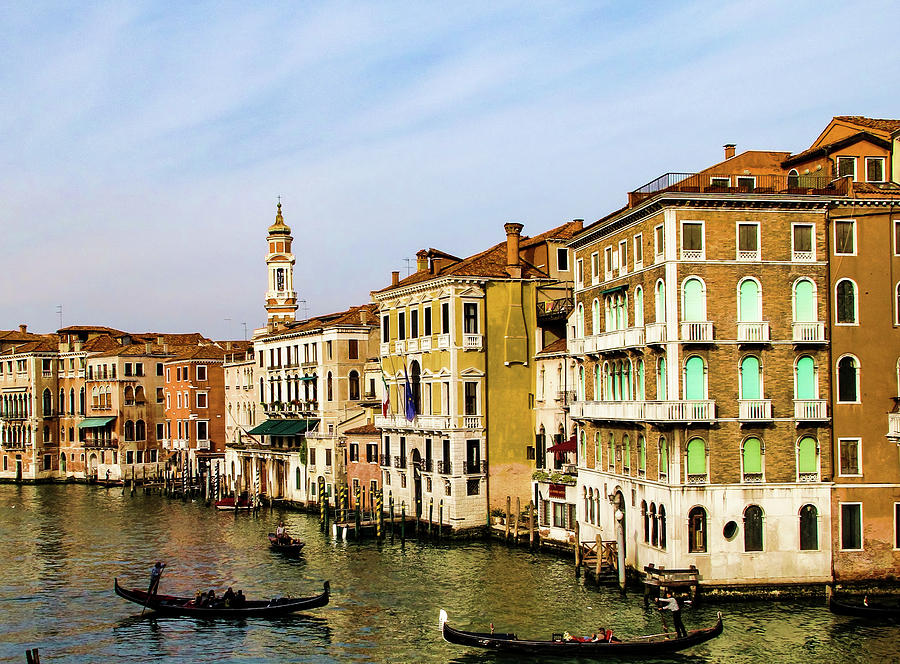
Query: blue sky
{"x": 144, "y": 144}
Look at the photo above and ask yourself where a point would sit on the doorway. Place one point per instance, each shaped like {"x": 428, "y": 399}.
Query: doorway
{"x": 417, "y": 481}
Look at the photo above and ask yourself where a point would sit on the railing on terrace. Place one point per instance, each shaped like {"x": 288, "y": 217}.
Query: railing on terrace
{"x": 654, "y": 411}
{"x": 427, "y": 465}
{"x": 755, "y": 409}
{"x": 655, "y": 333}
{"x": 810, "y": 409}
{"x": 616, "y": 339}
{"x": 399, "y": 462}
{"x": 385, "y": 460}
{"x": 812, "y": 332}
{"x": 893, "y": 425}
{"x": 753, "y": 332}
{"x": 724, "y": 183}
{"x": 696, "y": 331}
{"x": 474, "y": 467}
{"x": 554, "y": 309}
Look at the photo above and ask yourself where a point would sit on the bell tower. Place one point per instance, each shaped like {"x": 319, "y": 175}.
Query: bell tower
{"x": 281, "y": 299}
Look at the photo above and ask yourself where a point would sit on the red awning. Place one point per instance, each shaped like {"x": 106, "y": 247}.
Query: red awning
{"x": 565, "y": 446}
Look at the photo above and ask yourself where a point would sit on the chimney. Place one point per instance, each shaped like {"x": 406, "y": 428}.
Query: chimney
{"x": 579, "y": 224}
{"x": 513, "y": 264}
{"x": 165, "y": 348}
{"x": 421, "y": 260}
{"x": 363, "y": 316}
{"x": 23, "y": 328}
{"x": 395, "y": 277}
{"x": 227, "y": 345}
{"x": 147, "y": 348}
{"x": 159, "y": 341}
{"x": 729, "y": 150}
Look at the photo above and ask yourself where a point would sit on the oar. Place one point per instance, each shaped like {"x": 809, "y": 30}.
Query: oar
{"x": 158, "y": 579}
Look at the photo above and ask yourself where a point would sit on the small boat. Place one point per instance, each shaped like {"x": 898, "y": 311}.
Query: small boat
{"x": 868, "y": 610}
{"x": 655, "y": 644}
{"x": 242, "y": 503}
{"x": 184, "y": 606}
{"x": 290, "y": 547}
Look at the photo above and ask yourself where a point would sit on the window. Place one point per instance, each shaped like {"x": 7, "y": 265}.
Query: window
{"x": 661, "y": 379}
{"x": 746, "y": 183}
{"x": 805, "y": 382}
{"x": 160, "y": 430}
{"x": 896, "y": 237}
{"x": 159, "y": 369}
{"x": 692, "y": 240}
{"x": 129, "y": 430}
{"x": 807, "y": 456}
{"x": 848, "y": 379}
{"x": 695, "y": 379}
{"x": 202, "y": 430}
{"x": 658, "y": 243}
{"x": 845, "y": 310}
{"x": 471, "y": 397}
{"x": 623, "y": 257}
{"x": 202, "y": 400}
{"x": 138, "y": 369}
{"x": 845, "y": 237}
{"x": 160, "y": 395}
{"x": 178, "y": 372}
{"x": 354, "y": 452}
{"x": 753, "y": 528}
{"x": 748, "y": 242}
{"x": 749, "y": 302}
{"x": 401, "y": 327}
{"x": 470, "y": 318}
{"x": 809, "y": 528}
{"x": 693, "y": 303}
{"x": 426, "y": 320}
{"x": 579, "y": 272}
{"x": 660, "y": 302}
{"x": 201, "y": 372}
{"x": 802, "y": 248}
{"x": 752, "y": 459}
{"x": 329, "y": 387}
{"x": 751, "y": 378}
{"x": 804, "y": 301}
{"x": 696, "y": 458}
{"x": 128, "y": 369}
{"x": 414, "y": 324}
{"x": 639, "y": 307}
{"x": 897, "y": 525}
{"x": 697, "y": 530}
{"x": 850, "y": 456}
{"x": 638, "y": 251}
{"x": 385, "y": 328}
{"x": 851, "y": 526}
{"x": 874, "y": 169}
{"x": 562, "y": 259}
{"x": 595, "y": 266}
{"x": 897, "y": 303}
{"x": 445, "y": 318}
{"x": 354, "y": 385}
{"x": 140, "y": 430}
{"x": 846, "y": 167}
{"x": 718, "y": 182}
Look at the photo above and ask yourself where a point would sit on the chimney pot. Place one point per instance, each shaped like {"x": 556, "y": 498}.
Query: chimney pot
{"x": 227, "y": 345}
{"x": 395, "y": 277}
{"x": 23, "y": 328}
{"x": 729, "y": 150}
{"x": 513, "y": 264}
{"x": 421, "y": 260}
{"x": 579, "y": 223}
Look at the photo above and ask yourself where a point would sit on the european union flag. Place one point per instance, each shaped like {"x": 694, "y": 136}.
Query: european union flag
{"x": 410, "y": 402}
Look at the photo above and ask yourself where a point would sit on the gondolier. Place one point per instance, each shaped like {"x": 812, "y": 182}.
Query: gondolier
{"x": 670, "y": 603}
{"x": 155, "y": 575}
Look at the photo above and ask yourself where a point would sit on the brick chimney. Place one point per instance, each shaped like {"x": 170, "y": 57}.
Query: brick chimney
{"x": 23, "y": 328}
{"x": 513, "y": 263}
{"x": 729, "y": 150}
{"x": 395, "y": 277}
{"x": 421, "y": 260}
{"x": 364, "y": 316}
{"x": 579, "y": 224}
{"x": 227, "y": 345}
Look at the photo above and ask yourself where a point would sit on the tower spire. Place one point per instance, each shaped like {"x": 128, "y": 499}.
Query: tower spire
{"x": 281, "y": 298}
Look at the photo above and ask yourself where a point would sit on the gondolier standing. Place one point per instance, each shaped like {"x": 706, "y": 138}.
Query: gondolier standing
{"x": 670, "y": 603}
{"x": 155, "y": 575}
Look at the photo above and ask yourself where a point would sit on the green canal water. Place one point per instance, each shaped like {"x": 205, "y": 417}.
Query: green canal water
{"x": 62, "y": 545}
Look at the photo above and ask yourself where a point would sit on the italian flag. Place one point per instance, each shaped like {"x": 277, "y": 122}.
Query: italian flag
{"x": 386, "y": 399}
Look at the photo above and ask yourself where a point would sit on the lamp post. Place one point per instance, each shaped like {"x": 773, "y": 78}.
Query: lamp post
{"x": 620, "y": 547}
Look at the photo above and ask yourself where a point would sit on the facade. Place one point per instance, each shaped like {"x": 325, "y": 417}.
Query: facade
{"x": 362, "y": 464}
{"x": 457, "y": 344}
{"x": 241, "y": 394}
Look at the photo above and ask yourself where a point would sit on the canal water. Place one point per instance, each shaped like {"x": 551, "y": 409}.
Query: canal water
{"x": 62, "y": 545}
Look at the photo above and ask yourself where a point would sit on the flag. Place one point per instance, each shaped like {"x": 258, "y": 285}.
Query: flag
{"x": 410, "y": 402}
{"x": 386, "y": 398}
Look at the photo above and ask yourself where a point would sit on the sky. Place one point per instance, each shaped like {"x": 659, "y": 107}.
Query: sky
{"x": 144, "y": 144}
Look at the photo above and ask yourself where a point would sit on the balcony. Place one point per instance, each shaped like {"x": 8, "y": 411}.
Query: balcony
{"x": 419, "y": 423}
{"x": 894, "y": 427}
{"x": 753, "y": 478}
{"x": 444, "y": 468}
{"x": 753, "y": 333}
{"x": 575, "y": 346}
{"x": 810, "y": 410}
{"x": 748, "y": 255}
{"x": 655, "y": 333}
{"x": 427, "y": 465}
{"x": 399, "y": 462}
{"x": 754, "y": 409}
{"x": 399, "y": 347}
{"x": 648, "y": 411}
{"x": 697, "y": 331}
{"x": 472, "y": 421}
{"x": 473, "y": 341}
{"x": 385, "y": 460}
{"x": 808, "y": 477}
{"x": 425, "y": 344}
{"x": 565, "y": 397}
{"x": 808, "y": 333}
{"x": 698, "y": 479}
{"x": 203, "y": 445}
{"x": 412, "y": 346}
{"x": 615, "y": 340}
{"x": 803, "y": 256}
{"x": 444, "y": 341}
{"x": 474, "y": 467}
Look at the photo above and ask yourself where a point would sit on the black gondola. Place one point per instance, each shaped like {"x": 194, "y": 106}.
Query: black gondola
{"x": 871, "y": 610}
{"x": 655, "y": 644}
{"x": 289, "y": 545}
{"x": 184, "y": 606}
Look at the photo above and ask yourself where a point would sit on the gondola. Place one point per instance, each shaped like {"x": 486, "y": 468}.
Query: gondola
{"x": 871, "y": 610}
{"x": 656, "y": 644}
{"x": 231, "y": 504}
{"x": 291, "y": 549}
{"x": 184, "y": 606}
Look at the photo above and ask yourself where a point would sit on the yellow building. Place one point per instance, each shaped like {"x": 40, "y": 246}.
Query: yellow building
{"x": 457, "y": 344}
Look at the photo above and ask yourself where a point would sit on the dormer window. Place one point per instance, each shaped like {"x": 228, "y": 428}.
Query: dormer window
{"x": 874, "y": 169}
{"x": 846, "y": 167}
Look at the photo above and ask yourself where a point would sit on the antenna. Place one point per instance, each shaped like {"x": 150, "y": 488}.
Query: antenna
{"x": 408, "y": 267}
{"x": 305, "y": 306}
{"x": 59, "y": 313}
{"x": 245, "y": 331}
{"x": 227, "y": 320}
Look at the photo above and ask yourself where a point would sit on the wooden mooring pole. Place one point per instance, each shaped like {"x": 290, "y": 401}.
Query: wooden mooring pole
{"x": 516, "y": 526}
{"x": 577, "y": 549}
{"x": 530, "y": 525}
{"x": 506, "y": 529}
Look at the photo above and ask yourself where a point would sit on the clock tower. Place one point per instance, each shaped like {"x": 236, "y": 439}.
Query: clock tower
{"x": 281, "y": 299}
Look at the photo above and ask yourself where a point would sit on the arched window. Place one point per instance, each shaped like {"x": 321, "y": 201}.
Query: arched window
{"x": 139, "y": 395}
{"x": 804, "y": 301}
{"x": 611, "y": 453}
{"x": 626, "y": 454}
{"x": 805, "y": 383}
{"x": 596, "y": 449}
{"x": 581, "y": 383}
{"x": 582, "y": 445}
{"x": 809, "y": 528}
{"x": 639, "y": 306}
{"x": 626, "y": 381}
{"x": 645, "y": 515}
{"x": 845, "y": 308}
{"x": 62, "y": 462}
{"x": 595, "y": 317}
{"x": 662, "y": 526}
{"x": 751, "y": 459}
{"x": 642, "y": 456}
{"x": 697, "y": 530}
{"x": 848, "y": 379}
{"x": 329, "y": 387}
{"x": 71, "y": 401}
{"x": 696, "y": 458}
{"x": 47, "y": 402}
{"x": 694, "y": 379}
{"x": 661, "y": 379}
{"x": 750, "y": 378}
{"x": 639, "y": 381}
{"x": 693, "y": 300}
{"x": 297, "y": 479}
{"x": 608, "y": 315}
{"x": 663, "y": 458}
{"x": 62, "y": 401}
{"x": 415, "y": 376}
{"x": 753, "y": 528}
{"x": 95, "y": 397}
{"x": 129, "y": 395}
{"x": 588, "y": 497}
{"x": 129, "y": 430}
{"x": 592, "y": 516}
{"x": 793, "y": 181}
{"x": 807, "y": 456}
{"x": 46, "y": 434}
{"x": 607, "y": 382}
{"x": 140, "y": 430}
{"x": 749, "y": 301}
{"x": 579, "y": 321}
{"x": 597, "y": 383}
{"x": 660, "y": 303}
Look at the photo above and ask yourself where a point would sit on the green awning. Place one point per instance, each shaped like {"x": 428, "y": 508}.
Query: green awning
{"x": 614, "y": 289}
{"x": 94, "y": 422}
{"x": 308, "y": 377}
{"x": 282, "y": 427}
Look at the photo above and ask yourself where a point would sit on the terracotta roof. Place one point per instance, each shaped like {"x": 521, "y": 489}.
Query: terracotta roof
{"x": 188, "y": 339}
{"x": 558, "y": 346}
{"x": 368, "y": 427}
{"x": 889, "y": 189}
{"x": 758, "y": 162}
{"x": 564, "y": 231}
{"x": 870, "y": 123}
{"x": 236, "y": 346}
{"x": 199, "y": 353}
{"x": 133, "y": 350}
{"x": 11, "y": 336}
{"x": 352, "y": 316}
{"x": 90, "y": 328}
{"x": 102, "y": 343}
{"x": 825, "y": 148}
{"x": 32, "y": 347}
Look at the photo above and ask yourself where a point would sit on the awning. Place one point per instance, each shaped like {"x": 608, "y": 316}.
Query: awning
{"x": 614, "y": 289}
{"x": 94, "y": 422}
{"x": 565, "y": 446}
{"x": 308, "y": 377}
{"x": 282, "y": 427}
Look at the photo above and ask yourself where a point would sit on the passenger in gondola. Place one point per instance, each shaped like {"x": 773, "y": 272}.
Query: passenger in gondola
{"x": 228, "y": 598}
{"x": 239, "y": 599}
{"x": 210, "y": 599}
{"x": 281, "y": 534}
